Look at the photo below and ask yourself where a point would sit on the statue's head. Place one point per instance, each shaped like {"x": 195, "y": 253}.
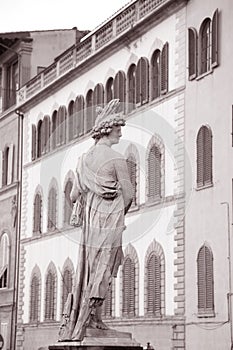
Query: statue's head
{"x": 108, "y": 122}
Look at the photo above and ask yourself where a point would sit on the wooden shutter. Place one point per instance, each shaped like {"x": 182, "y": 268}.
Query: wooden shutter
{"x": 132, "y": 169}
{"x": 207, "y": 166}
{"x": 62, "y": 125}
{"x": 109, "y": 90}
{"x": 89, "y": 111}
{"x": 128, "y": 287}
{"x": 98, "y": 95}
{"x": 68, "y": 203}
{"x": 37, "y": 213}
{"x": 43, "y": 137}
{"x": 214, "y": 51}
{"x": 80, "y": 115}
{"x": 131, "y": 87}
{"x": 71, "y": 120}
{"x": 46, "y": 134}
{"x": 52, "y": 209}
{"x": 138, "y": 83}
{"x": 34, "y": 299}
{"x": 200, "y": 157}
{"x": 154, "y": 173}
{"x": 155, "y": 75}
{"x": 119, "y": 87}
{"x": 1, "y": 168}
{"x": 66, "y": 286}
{"x": 205, "y": 280}
{"x": 154, "y": 285}
{"x": 164, "y": 69}
{"x": 39, "y": 138}
{"x": 5, "y": 165}
{"x": 50, "y": 297}
{"x": 107, "y": 304}
{"x": 192, "y": 36}
{"x": 142, "y": 81}
{"x": 10, "y": 164}
{"x": 33, "y": 153}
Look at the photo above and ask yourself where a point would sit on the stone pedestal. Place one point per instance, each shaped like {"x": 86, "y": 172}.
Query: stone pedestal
{"x": 96, "y": 339}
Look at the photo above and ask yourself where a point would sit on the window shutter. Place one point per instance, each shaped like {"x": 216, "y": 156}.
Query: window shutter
{"x": 207, "y": 156}
{"x": 37, "y": 214}
{"x": 50, "y": 297}
{"x": 10, "y": 164}
{"x": 154, "y": 285}
{"x": 200, "y": 157}
{"x": 155, "y": 75}
{"x": 164, "y": 69}
{"x": 192, "y": 35}
{"x": 5, "y": 164}
{"x": 46, "y": 132}
{"x": 1, "y": 168}
{"x": 52, "y": 209}
{"x": 144, "y": 80}
{"x": 214, "y": 54}
{"x": 119, "y": 87}
{"x": 43, "y": 137}
{"x": 71, "y": 120}
{"x": 201, "y": 278}
{"x": 138, "y": 83}
{"x": 33, "y": 142}
{"x": 62, "y": 125}
{"x": 66, "y": 286}
{"x": 68, "y": 203}
{"x": 80, "y": 111}
{"x": 154, "y": 173}
{"x": 89, "y": 111}
{"x": 131, "y": 87}
{"x": 34, "y": 300}
{"x": 128, "y": 287}
{"x": 109, "y": 90}
{"x": 39, "y": 139}
{"x": 132, "y": 169}
{"x": 107, "y": 304}
{"x": 98, "y": 95}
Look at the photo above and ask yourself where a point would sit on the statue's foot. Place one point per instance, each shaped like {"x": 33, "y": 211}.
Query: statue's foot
{"x": 101, "y": 325}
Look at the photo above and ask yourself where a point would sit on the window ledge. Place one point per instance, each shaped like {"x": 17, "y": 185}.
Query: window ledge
{"x": 206, "y": 314}
{"x": 155, "y": 201}
{"x": 204, "y": 187}
{"x": 199, "y": 77}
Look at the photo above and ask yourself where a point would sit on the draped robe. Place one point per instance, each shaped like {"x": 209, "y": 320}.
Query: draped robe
{"x": 102, "y": 180}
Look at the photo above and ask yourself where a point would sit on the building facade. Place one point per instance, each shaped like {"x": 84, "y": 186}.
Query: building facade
{"x": 21, "y": 56}
{"x": 169, "y": 64}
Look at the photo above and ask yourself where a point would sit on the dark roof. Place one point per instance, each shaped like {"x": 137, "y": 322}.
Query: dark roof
{"x": 7, "y": 40}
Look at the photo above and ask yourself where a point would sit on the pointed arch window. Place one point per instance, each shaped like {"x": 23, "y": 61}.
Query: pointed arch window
{"x": 5, "y": 166}
{"x": 164, "y": 69}
{"x": 90, "y": 117}
{"x": 129, "y": 287}
{"x": 37, "y": 214}
{"x": 33, "y": 153}
{"x": 204, "y": 157}
{"x": 61, "y": 125}
{"x": 50, "y": 296}
{"x": 109, "y": 90}
{"x": 154, "y": 173}
{"x": 132, "y": 169}
{"x": 119, "y": 88}
{"x": 142, "y": 81}
{"x": 205, "y": 281}
{"x": 71, "y": 123}
{"x": 34, "y": 299}
{"x": 131, "y": 78}
{"x": 154, "y": 285}
{"x": 98, "y": 95}
{"x": 39, "y": 139}
{"x": 66, "y": 285}
{"x": 55, "y": 132}
{"x": 68, "y": 203}
{"x": 45, "y": 134}
{"x": 192, "y": 36}
{"x": 4, "y": 260}
{"x": 205, "y": 46}
{"x": 52, "y": 209}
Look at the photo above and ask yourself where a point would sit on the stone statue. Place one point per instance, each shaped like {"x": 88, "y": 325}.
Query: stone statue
{"x": 102, "y": 194}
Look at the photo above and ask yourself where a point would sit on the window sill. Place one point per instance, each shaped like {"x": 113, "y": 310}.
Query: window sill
{"x": 204, "y": 187}
{"x": 206, "y": 314}
{"x": 203, "y": 75}
{"x": 154, "y": 201}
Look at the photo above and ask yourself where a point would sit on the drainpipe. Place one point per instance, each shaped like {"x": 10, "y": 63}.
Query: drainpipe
{"x": 18, "y": 230}
{"x": 229, "y": 272}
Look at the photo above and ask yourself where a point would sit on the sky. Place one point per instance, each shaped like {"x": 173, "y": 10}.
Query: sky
{"x": 29, "y": 15}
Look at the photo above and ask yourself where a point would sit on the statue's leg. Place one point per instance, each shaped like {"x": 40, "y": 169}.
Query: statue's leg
{"x": 96, "y": 314}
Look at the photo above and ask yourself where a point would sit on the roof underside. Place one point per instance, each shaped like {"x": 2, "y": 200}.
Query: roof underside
{"x": 7, "y": 40}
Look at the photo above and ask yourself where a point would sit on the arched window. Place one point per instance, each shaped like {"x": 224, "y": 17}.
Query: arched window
{"x": 132, "y": 168}
{"x": 98, "y": 95}
{"x": 55, "y": 134}
{"x": 204, "y": 157}
{"x": 50, "y": 296}
{"x": 52, "y": 209}
{"x": 71, "y": 120}
{"x": 4, "y": 260}
{"x": 37, "y": 214}
{"x": 90, "y": 117}
{"x": 34, "y": 299}
{"x": 39, "y": 139}
{"x": 45, "y": 134}
{"x": 79, "y": 116}
{"x": 67, "y": 202}
{"x": 164, "y": 69}
{"x": 33, "y": 153}
{"x": 154, "y": 173}
{"x": 109, "y": 90}
{"x": 66, "y": 285}
{"x": 205, "y": 280}
{"x": 119, "y": 88}
{"x": 154, "y": 284}
{"x": 205, "y": 46}
{"x": 107, "y": 304}
{"x": 156, "y": 74}
{"x": 5, "y": 164}
{"x": 129, "y": 287}
{"x": 62, "y": 125}
{"x": 142, "y": 81}
{"x": 131, "y": 78}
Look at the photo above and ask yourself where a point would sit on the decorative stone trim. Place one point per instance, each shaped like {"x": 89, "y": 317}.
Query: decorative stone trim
{"x": 20, "y": 332}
